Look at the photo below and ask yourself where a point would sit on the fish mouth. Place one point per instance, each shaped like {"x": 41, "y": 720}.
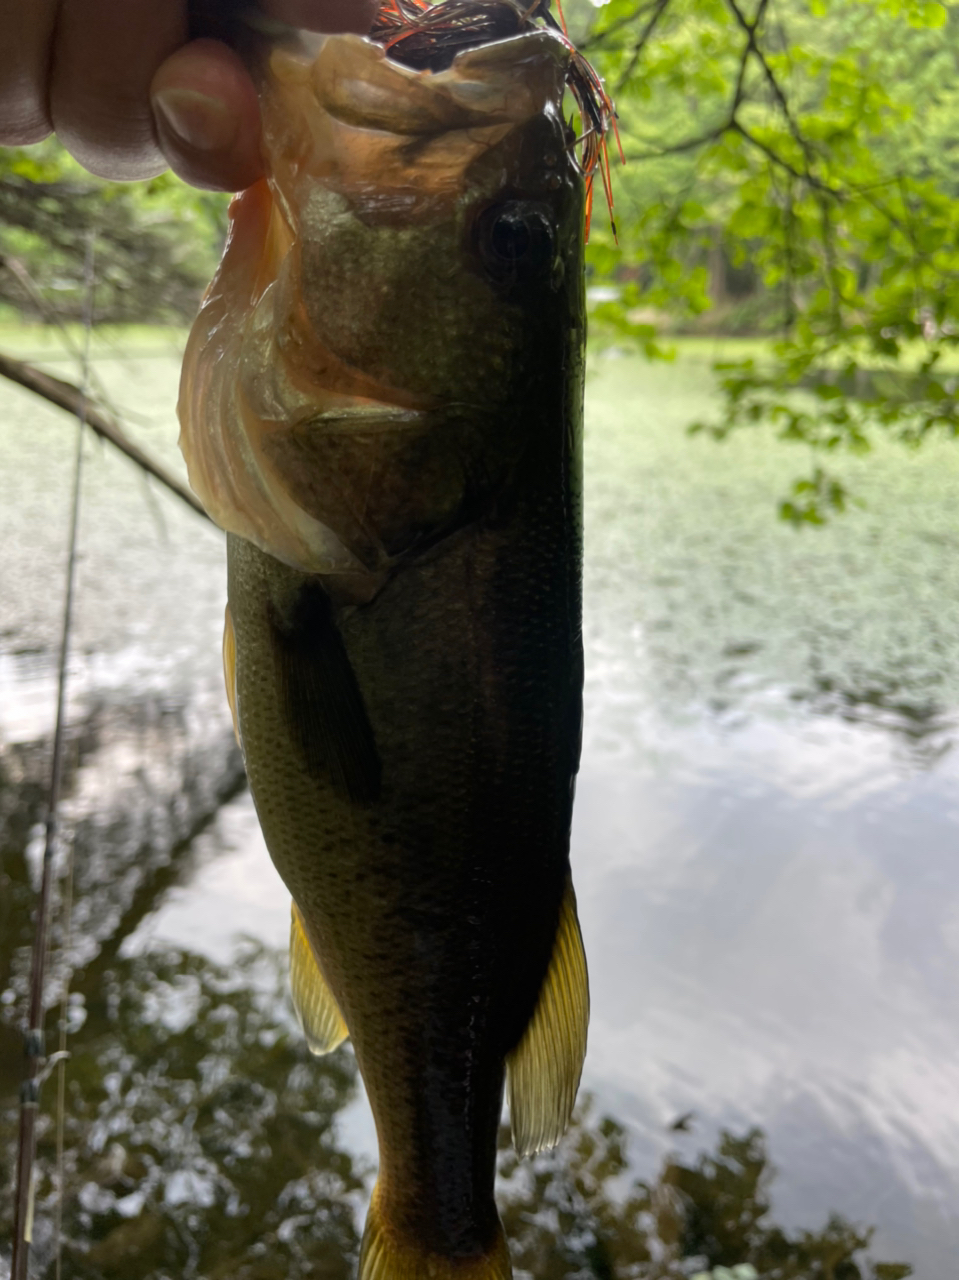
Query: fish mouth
{"x": 429, "y": 36}
{"x": 468, "y": 40}
{"x": 506, "y": 81}
{"x": 397, "y": 140}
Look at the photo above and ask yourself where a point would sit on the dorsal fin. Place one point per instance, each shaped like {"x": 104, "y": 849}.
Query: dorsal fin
{"x": 313, "y": 1000}
{"x": 543, "y": 1070}
{"x": 321, "y": 700}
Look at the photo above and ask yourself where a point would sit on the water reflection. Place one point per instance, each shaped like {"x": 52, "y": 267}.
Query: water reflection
{"x": 201, "y": 1135}
{"x": 568, "y": 1214}
{"x": 764, "y": 839}
{"x": 202, "y": 1140}
{"x": 882, "y": 700}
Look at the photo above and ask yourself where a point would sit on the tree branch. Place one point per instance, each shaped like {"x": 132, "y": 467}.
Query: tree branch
{"x": 689, "y": 144}
{"x": 596, "y": 39}
{"x": 752, "y": 48}
{"x": 69, "y": 397}
{"x": 642, "y": 40}
{"x": 803, "y": 175}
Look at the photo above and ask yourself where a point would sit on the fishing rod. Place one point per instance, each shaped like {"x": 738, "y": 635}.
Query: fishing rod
{"x": 38, "y": 1064}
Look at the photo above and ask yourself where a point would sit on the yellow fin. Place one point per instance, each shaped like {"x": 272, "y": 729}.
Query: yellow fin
{"x": 316, "y": 1008}
{"x": 229, "y": 668}
{"x": 385, "y": 1255}
{"x": 543, "y": 1070}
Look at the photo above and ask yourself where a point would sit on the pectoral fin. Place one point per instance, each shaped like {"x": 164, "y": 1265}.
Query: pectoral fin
{"x": 318, "y": 1012}
{"x": 543, "y": 1070}
{"x": 229, "y": 669}
{"x": 321, "y": 700}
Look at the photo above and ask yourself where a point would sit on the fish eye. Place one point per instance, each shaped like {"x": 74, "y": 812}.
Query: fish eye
{"x": 517, "y": 240}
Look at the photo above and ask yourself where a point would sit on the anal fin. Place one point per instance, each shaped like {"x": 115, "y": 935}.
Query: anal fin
{"x": 229, "y": 669}
{"x": 543, "y": 1070}
{"x": 315, "y": 1005}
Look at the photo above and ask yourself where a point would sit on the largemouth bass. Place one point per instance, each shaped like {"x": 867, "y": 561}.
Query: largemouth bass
{"x": 382, "y": 406}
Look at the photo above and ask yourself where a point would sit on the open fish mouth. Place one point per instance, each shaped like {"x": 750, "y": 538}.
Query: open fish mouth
{"x": 430, "y": 36}
{"x": 399, "y": 141}
{"x": 346, "y": 387}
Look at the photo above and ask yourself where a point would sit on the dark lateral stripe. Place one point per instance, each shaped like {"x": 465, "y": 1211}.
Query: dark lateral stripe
{"x": 322, "y": 703}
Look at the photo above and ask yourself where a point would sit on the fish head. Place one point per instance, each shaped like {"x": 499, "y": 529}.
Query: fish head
{"x": 396, "y": 304}
{"x": 430, "y": 209}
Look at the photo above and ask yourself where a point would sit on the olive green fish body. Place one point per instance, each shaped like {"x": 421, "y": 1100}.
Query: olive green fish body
{"x": 428, "y": 849}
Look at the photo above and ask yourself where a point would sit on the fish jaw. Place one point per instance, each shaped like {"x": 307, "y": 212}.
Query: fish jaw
{"x": 399, "y": 142}
{"x": 346, "y": 388}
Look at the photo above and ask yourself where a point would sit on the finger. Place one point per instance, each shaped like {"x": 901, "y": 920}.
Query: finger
{"x": 105, "y": 54}
{"x": 24, "y": 61}
{"x": 208, "y": 117}
{"x": 323, "y": 15}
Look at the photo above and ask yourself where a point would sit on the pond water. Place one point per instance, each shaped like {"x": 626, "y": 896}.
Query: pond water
{"x": 764, "y": 843}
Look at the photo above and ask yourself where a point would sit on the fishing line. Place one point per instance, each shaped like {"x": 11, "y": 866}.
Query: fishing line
{"x": 66, "y": 942}
{"x": 38, "y": 1064}
{"x": 52, "y": 315}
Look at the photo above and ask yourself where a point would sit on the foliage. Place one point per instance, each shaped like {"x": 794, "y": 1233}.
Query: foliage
{"x": 155, "y": 242}
{"x": 568, "y": 1214}
{"x": 797, "y": 153}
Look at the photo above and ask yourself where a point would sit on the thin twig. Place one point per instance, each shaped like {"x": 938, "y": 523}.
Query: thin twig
{"x": 689, "y": 144}
{"x": 65, "y": 946}
{"x": 642, "y": 41}
{"x": 752, "y": 47}
{"x": 35, "y": 1050}
{"x": 597, "y": 38}
{"x": 67, "y": 396}
{"x": 771, "y": 154}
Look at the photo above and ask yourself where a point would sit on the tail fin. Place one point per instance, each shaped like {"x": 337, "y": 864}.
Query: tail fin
{"x": 384, "y": 1255}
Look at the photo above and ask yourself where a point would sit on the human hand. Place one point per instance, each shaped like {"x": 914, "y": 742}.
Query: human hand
{"x": 128, "y": 93}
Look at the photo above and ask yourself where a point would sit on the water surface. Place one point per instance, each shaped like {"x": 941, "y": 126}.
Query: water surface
{"x": 765, "y": 833}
